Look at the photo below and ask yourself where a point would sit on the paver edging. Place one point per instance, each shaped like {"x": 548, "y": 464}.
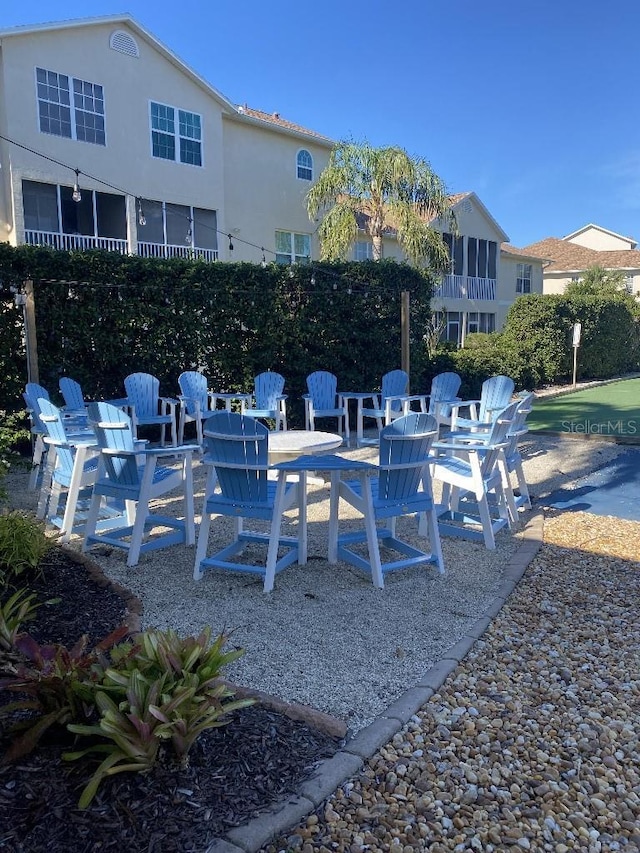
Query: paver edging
{"x": 367, "y": 742}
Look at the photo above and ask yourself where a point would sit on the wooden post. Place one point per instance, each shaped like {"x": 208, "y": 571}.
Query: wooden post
{"x": 404, "y": 331}
{"x": 33, "y": 374}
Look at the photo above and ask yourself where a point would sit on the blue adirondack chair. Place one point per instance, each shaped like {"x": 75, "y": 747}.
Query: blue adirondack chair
{"x": 148, "y": 408}
{"x": 323, "y": 401}
{"x": 403, "y": 487}
{"x": 472, "y": 468}
{"x": 72, "y": 394}
{"x": 197, "y": 403}
{"x": 72, "y": 466}
{"x": 388, "y": 404}
{"x": 512, "y": 451}
{"x": 238, "y": 447}
{"x": 268, "y": 399}
{"x": 496, "y": 393}
{"x": 31, "y": 394}
{"x": 121, "y": 476}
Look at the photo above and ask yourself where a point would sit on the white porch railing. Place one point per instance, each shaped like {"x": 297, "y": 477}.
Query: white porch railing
{"x": 466, "y": 287}
{"x": 162, "y": 250}
{"x": 74, "y": 242}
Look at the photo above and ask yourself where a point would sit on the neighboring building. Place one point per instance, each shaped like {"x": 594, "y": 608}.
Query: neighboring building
{"x": 182, "y": 171}
{"x": 568, "y": 258}
{"x": 487, "y": 274}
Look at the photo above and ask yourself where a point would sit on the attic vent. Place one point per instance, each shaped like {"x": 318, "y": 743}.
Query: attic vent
{"x": 124, "y": 43}
{"x": 467, "y": 206}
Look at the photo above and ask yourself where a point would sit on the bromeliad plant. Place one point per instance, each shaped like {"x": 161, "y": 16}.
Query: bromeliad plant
{"x": 17, "y": 609}
{"x": 167, "y": 690}
{"x": 59, "y": 684}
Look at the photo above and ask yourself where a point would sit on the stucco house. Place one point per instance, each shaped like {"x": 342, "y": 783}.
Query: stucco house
{"x": 166, "y": 164}
{"x": 566, "y": 259}
{"x": 109, "y": 140}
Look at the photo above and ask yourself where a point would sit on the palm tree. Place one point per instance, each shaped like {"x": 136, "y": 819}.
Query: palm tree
{"x": 379, "y": 189}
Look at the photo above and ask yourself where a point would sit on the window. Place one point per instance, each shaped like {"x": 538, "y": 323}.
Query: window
{"x": 523, "y": 280}
{"x": 305, "y": 165}
{"x": 363, "y": 250}
{"x": 97, "y": 214}
{"x": 84, "y": 122}
{"x": 292, "y": 248}
{"x": 481, "y": 258}
{"x": 478, "y": 321}
{"x": 628, "y": 283}
{"x": 173, "y": 139}
{"x": 179, "y": 225}
{"x": 455, "y": 245}
{"x": 454, "y": 325}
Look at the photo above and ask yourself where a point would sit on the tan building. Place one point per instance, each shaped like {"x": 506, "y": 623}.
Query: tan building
{"x": 108, "y": 140}
{"x": 566, "y": 259}
{"x": 166, "y": 165}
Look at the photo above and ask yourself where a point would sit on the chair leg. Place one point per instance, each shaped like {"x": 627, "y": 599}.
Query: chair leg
{"x": 487, "y": 525}
{"x": 431, "y": 522}
{"x": 187, "y": 480}
{"x": 274, "y": 533}
{"x": 181, "y": 428}
{"x": 334, "y": 500}
{"x": 92, "y": 520}
{"x": 203, "y": 539}
{"x": 372, "y": 534}
{"x": 72, "y": 493}
{"x": 39, "y": 451}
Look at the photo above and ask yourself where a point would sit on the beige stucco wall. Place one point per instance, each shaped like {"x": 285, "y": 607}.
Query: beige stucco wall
{"x": 601, "y": 241}
{"x": 262, "y": 190}
{"x": 129, "y": 85}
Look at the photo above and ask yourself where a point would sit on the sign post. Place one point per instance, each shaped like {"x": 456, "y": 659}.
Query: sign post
{"x": 577, "y": 330}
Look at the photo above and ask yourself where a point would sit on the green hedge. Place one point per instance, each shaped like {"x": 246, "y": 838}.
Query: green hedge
{"x": 101, "y": 316}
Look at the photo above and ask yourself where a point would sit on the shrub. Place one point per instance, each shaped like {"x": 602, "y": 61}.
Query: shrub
{"x": 23, "y": 544}
{"x": 17, "y": 609}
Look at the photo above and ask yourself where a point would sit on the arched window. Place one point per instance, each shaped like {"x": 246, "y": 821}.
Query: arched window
{"x": 305, "y": 165}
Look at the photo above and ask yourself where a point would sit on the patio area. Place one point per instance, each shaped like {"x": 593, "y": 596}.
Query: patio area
{"x": 325, "y": 636}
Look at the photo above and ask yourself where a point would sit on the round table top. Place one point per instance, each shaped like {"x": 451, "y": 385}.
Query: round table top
{"x": 301, "y": 441}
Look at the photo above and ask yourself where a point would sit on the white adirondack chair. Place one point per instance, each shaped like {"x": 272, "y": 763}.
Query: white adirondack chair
{"x": 388, "y": 404}
{"x": 148, "y": 408}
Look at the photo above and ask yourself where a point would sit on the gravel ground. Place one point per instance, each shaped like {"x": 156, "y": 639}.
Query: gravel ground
{"x": 532, "y": 742}
{"x": 326, "y": 637}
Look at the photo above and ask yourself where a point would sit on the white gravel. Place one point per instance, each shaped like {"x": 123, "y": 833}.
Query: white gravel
{"x": 326, "y": 637}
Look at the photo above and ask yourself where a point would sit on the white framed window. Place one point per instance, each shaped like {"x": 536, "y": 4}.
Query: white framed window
{"x": 83, "y": 119}
{"x": 480, "y": 321}
{"x": 292, "y": 248}
{"x": 176, "y": 134}
{"x": 523, "y": 278}
{"x": 454, "y": 326}
{"x": 50, "y": 209}
{"x": 363, "y": 250}
{"x": 304, "y": 164}
{"x": 628, "y": 283}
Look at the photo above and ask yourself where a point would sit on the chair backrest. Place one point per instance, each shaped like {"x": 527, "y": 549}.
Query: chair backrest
{"x": 518, "y": 424}
{"x": 444, "y": 386}
{"x": 143, "y": 391}
{"x": 72, "y": 393}
{"x": 322, "y": 387}
{"x": 32, "y": 393}
{"x": 194, "y": 387}
{"x": 404, "y": 447}
{"x": 238, "y": 447}
{"x": 51, "y": 418}
{"x": 496, "y": 394}
{"x": 393, "y": 383}
{"x": 114, "y": 432}
{"x": 268, "y": 387}
{"x": 498, "y": 435}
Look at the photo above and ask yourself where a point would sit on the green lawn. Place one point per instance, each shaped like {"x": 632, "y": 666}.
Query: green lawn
{"x": 612, "y": 410}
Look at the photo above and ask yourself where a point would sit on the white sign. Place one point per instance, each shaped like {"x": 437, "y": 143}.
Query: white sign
{"x": 577, "y": 329}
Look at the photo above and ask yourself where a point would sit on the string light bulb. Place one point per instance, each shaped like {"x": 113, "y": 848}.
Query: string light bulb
{"x": 142, "y": 219}
{"x": 313, "y": 279}
{"x": 189, "y": 238}
{"x": 76, "y": 195}
{"x": 230, "y": 243}
{"x": 264, "y": 260}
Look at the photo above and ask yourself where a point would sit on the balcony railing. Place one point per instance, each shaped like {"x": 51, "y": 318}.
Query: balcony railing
{"x": 466, "y": 287}
{"x": 71, "y": 242}
{"x": 75, "y": 242}
{"x": 162, "y": 250}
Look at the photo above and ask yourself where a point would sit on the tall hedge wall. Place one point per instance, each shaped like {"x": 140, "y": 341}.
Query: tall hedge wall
{"x": 100, "y": 316}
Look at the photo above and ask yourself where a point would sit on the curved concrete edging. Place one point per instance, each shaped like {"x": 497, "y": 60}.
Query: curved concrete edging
{"x": 333, "y": 772}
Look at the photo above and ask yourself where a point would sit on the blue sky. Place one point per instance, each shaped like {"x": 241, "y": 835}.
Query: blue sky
{"x": 532, "y": 104}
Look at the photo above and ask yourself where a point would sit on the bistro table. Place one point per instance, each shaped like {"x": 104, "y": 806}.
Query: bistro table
{"x": 336, "y": 466}
{"x": 290, "y": 443}
{"x": 359, "y": 397}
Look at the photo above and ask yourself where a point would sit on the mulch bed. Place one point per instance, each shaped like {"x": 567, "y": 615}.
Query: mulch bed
{"x": 234, "y": 772}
